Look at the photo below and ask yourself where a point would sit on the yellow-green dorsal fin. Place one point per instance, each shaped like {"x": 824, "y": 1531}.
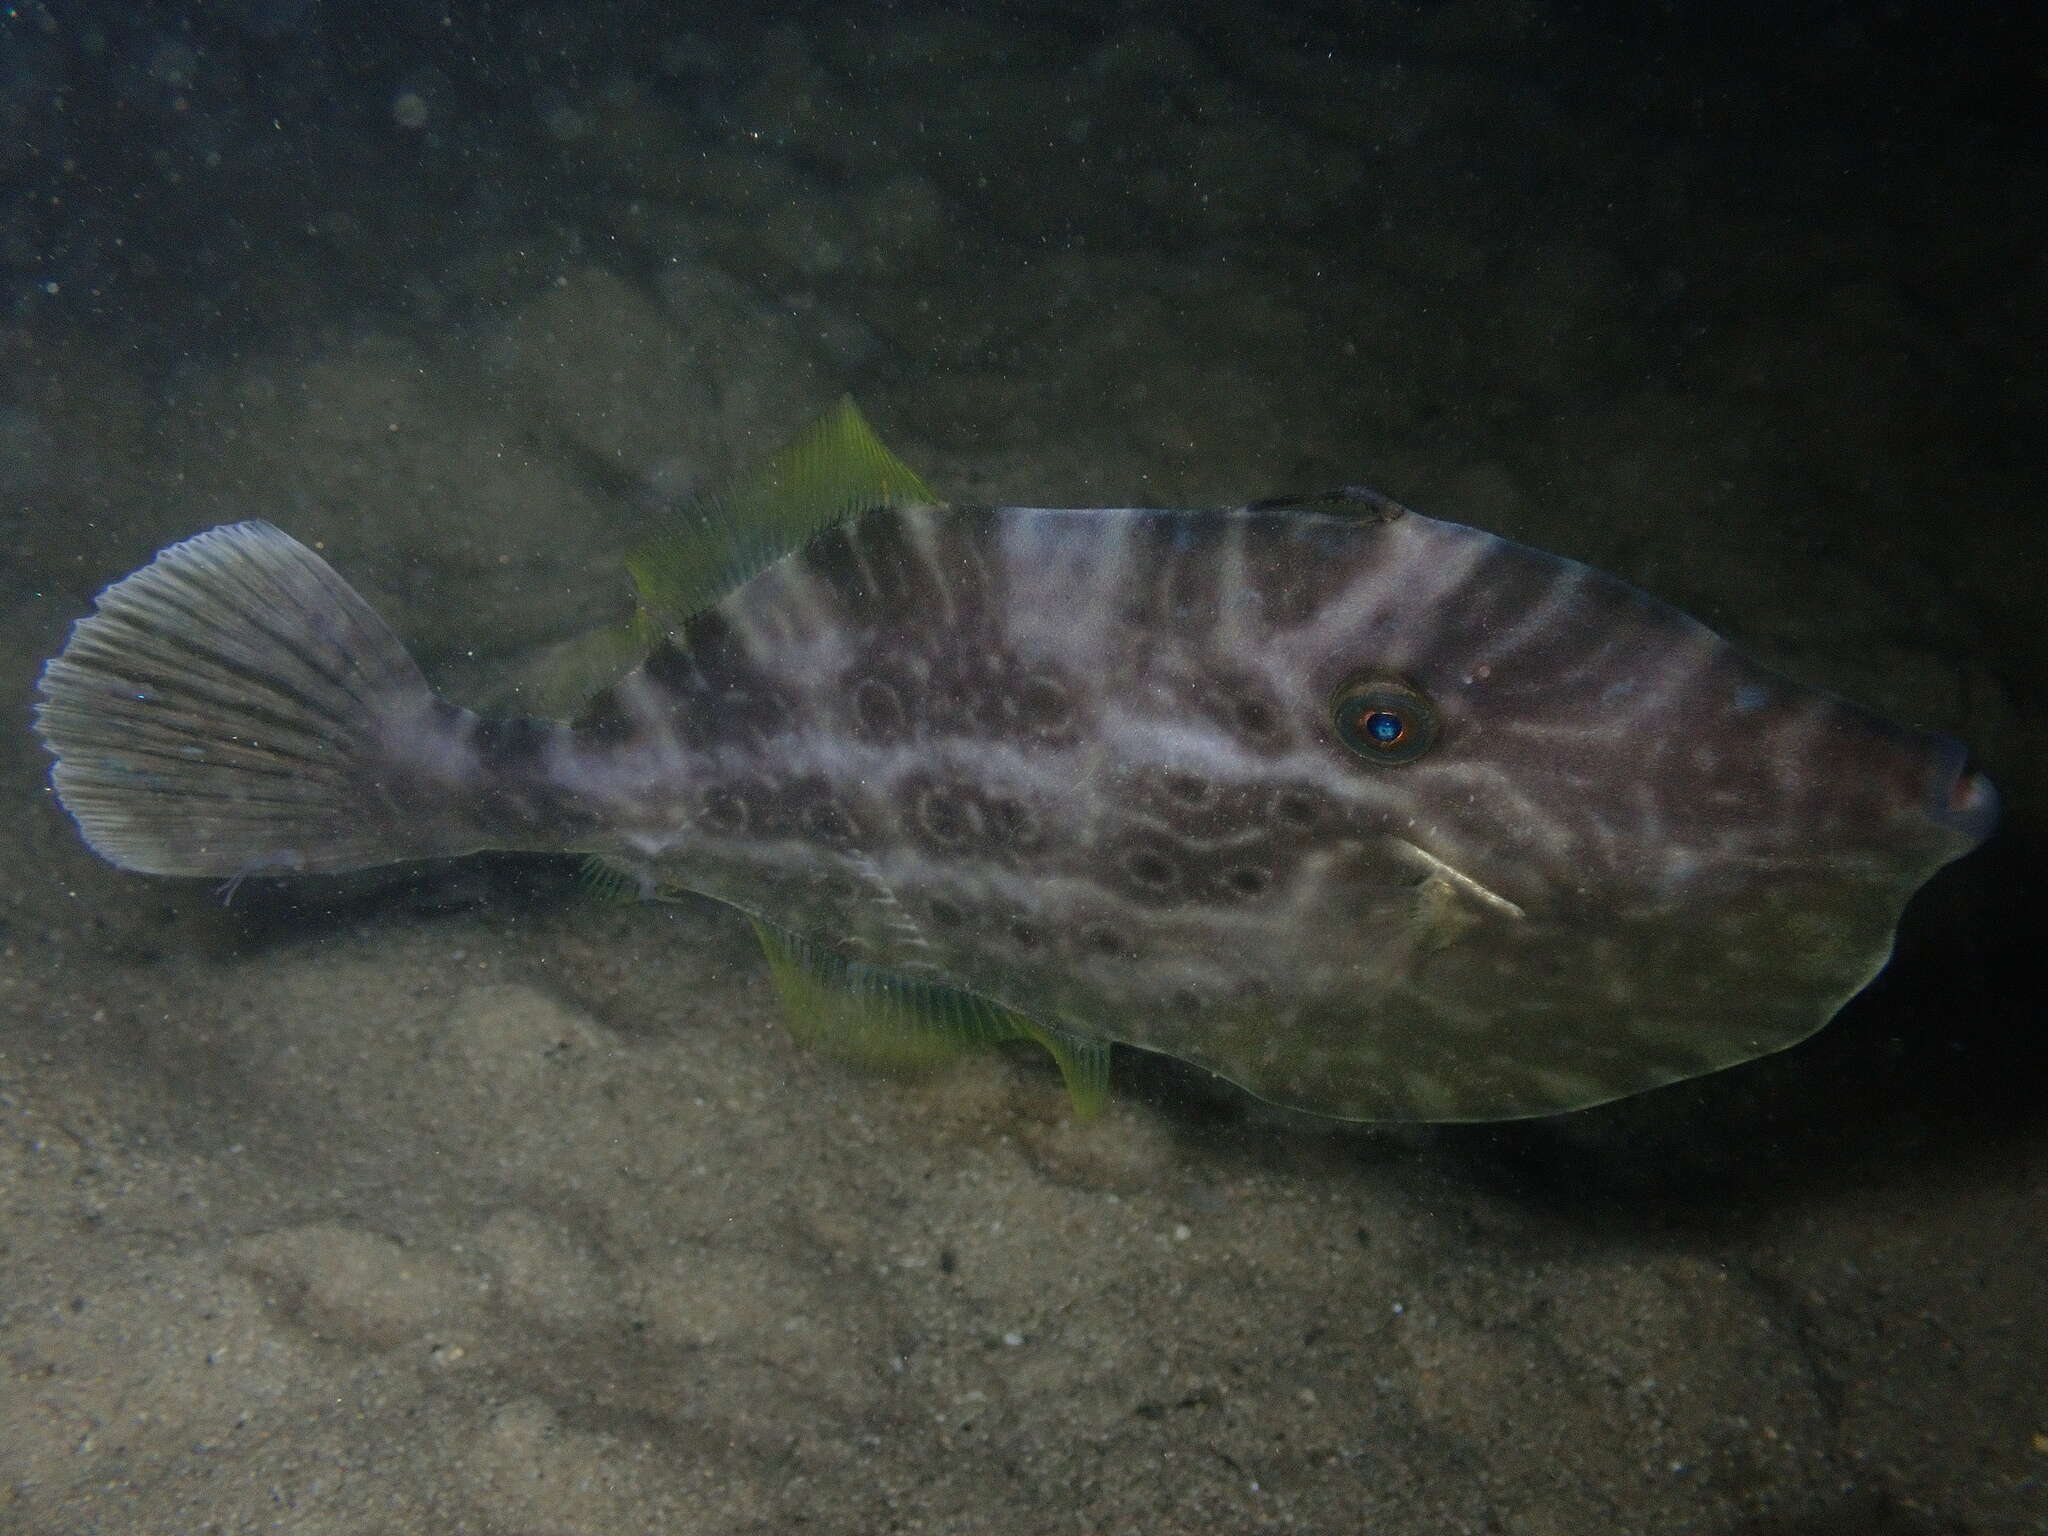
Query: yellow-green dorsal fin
{"x": 883, "y": 1018}
{"x": 836, "y": 469}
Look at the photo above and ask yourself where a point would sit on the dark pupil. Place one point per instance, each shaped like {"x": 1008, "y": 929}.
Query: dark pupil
{"x": 1384, "y": 727}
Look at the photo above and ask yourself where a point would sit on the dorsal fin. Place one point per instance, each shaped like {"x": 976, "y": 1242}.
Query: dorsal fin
{"x": 836, "y": 469}
{"x": 1359, "y": 502}
{"x": 886, "y": 1018}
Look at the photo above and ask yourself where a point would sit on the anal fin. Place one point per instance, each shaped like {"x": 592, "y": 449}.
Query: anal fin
{"x": 1083, "y": 1061}
{"x": 884, "y": 1018}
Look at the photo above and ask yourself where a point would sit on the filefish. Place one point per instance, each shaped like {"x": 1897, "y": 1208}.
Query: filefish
{"x": 1376, "y": 816}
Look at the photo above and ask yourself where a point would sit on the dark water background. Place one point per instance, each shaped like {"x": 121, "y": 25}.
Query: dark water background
{"x": 1742, "y": 302}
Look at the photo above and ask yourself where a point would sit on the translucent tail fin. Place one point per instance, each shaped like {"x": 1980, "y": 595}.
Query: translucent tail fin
{"x": 232, "y": 709}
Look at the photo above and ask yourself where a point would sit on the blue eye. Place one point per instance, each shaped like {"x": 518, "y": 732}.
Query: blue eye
{"x": 1383, "y": 720}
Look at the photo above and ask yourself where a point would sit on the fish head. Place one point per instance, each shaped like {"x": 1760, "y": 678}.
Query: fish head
{"x": 1554, "y": 726}
{"x": 1590, "y": 847}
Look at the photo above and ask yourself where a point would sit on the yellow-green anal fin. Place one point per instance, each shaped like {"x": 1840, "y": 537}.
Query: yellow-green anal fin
{"x": 613, "y": 881}
{"x": 1083, "y": 1061}
{"x": 883, "y": 1018}
{"x": 607, "y": 882}
{"x": 835, "y": 470}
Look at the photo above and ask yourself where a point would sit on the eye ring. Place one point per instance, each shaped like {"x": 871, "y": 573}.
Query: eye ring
{"x": 1383, "y": 719}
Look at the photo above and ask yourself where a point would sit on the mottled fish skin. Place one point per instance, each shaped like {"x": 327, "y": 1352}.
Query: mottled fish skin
{"x": 1082, "y": 762}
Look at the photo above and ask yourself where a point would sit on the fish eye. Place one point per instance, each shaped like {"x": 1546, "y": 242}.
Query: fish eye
{"x": 1383, "y": 719}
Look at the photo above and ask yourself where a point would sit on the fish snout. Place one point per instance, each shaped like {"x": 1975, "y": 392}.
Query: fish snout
{"x": 1958, "y": 796}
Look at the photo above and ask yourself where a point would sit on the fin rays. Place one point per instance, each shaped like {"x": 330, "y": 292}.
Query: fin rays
{"x": 835, "y": 470}
{"x": 220, "y": 711}
{"x": 889, "y": 1019}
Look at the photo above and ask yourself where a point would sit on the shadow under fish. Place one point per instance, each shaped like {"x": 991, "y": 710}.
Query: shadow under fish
{"x": 1379, "y": 817}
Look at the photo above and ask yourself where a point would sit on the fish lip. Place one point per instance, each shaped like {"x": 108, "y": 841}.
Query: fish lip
{"x": 1958, "y": 796}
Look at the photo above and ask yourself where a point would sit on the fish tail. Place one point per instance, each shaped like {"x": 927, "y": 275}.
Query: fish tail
{"x": 235, "y": 708}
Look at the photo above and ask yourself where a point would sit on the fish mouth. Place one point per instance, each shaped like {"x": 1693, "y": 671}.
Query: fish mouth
{"x": 1958, "y": 796}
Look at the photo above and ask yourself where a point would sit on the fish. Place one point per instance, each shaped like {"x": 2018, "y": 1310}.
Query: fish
{"x": 1376, "y": 816}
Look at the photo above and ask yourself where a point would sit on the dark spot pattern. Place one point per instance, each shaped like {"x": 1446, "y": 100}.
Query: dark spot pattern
{"x": 516, "y": 789}
{"x": 807, "y": 808}
{"x": 877, "y": 712}
{"x": 1146, "y": 868}
{"x": 953, "y": 816}
{"x": 724, "y": 811}
{"x": 1013, "y": 824}
{"x": 1104, "y": 942}
{"x": 1298, "y": 809}
{"x": 1243, "y": 882}
{"x": 948, "y": 816}
{"x": 1039, "y": 705}
{"x": 811, "y": 809}
{"x": 1235, "y": 703}
{"x": 972, "y": 694}
{"x": 721, "y": 698}
{"x": 1192, "y": 807}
